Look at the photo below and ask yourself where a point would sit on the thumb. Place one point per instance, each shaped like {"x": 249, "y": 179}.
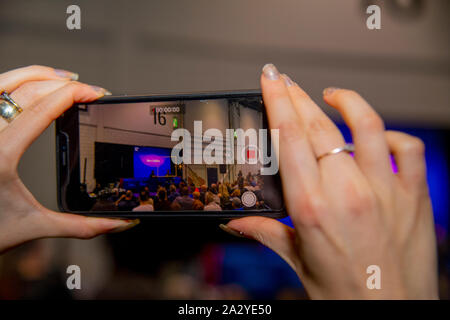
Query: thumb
{"x": 77, "y": 226}
{"x": 269, "y": 232}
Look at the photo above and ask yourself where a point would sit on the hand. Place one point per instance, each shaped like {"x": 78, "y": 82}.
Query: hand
{"x": 348, "y": 213}
{"x": 43, "y": 93}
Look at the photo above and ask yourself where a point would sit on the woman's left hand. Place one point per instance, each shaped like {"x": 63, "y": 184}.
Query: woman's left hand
{"x": 44, "y": 94}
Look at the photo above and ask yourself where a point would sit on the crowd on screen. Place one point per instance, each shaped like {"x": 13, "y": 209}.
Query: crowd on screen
{"x": 184, "y": 196}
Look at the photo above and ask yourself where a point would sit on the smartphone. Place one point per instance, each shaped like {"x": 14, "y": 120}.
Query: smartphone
{"x": 196, "y": 155}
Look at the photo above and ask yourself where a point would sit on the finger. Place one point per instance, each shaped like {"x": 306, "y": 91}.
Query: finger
{"x": 323, "y": 135}
{"x": 11, "y": 80}
{"x": 76, "y": 226}
{"x": 322, "y": 132}
{"x": 298, "y": 164}
{"x": 371, "y": 149}
{"x": 21, "y": 132}
{"x": 269, "y": 232}
{"x": 31, "y": 92}
{"x": 409, "y": 154}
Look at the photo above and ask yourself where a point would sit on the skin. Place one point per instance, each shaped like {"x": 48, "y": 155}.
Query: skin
{"x": 344, "y": 220}
{"x": 43, "y": 94}
{"x": 348, "y": 212}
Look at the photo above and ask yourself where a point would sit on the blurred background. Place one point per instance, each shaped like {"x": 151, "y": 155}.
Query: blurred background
{"x": 143, "y": 47}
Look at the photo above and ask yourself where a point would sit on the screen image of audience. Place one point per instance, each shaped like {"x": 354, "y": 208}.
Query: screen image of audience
{"x": 184, "y": 196}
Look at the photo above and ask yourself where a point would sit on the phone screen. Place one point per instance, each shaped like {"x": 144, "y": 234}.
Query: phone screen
{"x": 212, "y": 155}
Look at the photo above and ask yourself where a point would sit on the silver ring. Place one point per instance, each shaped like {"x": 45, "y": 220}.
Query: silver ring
{"x": 349, "y": 148}
{"x": 9, "y": 109}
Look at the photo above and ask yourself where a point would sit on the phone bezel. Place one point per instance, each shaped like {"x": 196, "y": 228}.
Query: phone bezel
{"x": 62, "y": 172}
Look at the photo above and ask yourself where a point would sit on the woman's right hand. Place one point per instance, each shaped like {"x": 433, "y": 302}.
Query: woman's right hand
{"x": 349, "y": 213}
{"x": 44, "y": 94}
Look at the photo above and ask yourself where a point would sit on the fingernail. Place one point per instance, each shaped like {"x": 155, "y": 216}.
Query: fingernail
{"x": 128, "y": 224}
{"x": 233, "y": 232}
{"x": 101, "y": 91}
{"x": 330, "y": 90}
{"x": 271, "y": 72}
{"x": 66, "y": 74}
{"x": 288, "y": 81}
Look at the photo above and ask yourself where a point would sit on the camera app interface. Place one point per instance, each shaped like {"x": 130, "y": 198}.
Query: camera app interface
{"x": 194, "y": 155}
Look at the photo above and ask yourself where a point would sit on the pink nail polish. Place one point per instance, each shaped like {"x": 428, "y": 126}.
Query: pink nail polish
{"x": 129, "y": 224}
{"x": 271, "y": 72}
{"x": 233, "y": 232}
{"x": 330, "y": 90}
{"x": 66, "y": 74}
{"x": 288, "y": 81}
{"x": 101, "y": 90}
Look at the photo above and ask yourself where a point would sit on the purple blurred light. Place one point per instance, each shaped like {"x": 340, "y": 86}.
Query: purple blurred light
{"x": 152, "y": 160}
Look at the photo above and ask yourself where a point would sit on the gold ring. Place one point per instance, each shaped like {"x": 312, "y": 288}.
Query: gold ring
{"x": 9, "y": 109}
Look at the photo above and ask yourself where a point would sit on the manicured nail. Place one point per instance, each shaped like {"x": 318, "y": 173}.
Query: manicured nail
{"x": 127, "y": 224}
{"x": 330, "y": 90}
{"x": 233, "y": 232}
{"x": 288, "y": 81}
{"x": 271, "y": 72}
{"x": 66, "y": 74}
{"x": 101, "y": 91}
